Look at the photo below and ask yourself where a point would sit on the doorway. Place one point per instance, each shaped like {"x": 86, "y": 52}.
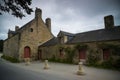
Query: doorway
{"x": 27, "y": 52}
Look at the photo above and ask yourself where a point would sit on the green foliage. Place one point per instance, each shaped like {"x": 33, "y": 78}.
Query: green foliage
{"x": 107, "y": 64}
{"x": 111, "y": 64}
{"x": 61, "y": 47}
{"x": 81, "y": 46}
{"x": 93, "y": 58}
{"x": 53, "y": 58}
{"x": 115, "y": 49}
{"x": 69, "y": 54}
{"x": 117, "y": 64}
{"x": 16, "y": 7}
{"x": 11, "y": 59}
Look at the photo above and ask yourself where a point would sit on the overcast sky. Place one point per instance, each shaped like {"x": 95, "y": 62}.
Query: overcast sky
{"x": 73, "y": 16}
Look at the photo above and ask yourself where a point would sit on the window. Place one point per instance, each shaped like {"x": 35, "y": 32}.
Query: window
{"x": 31, "y": 29}
{"x": 61, "y": 52}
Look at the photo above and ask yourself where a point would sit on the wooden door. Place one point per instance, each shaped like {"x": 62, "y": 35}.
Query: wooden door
{"x": 40, "y": 55}
{"x": 82, "y": 54}
{"x": 27, "y": 52}
{"x": 106, "y": 54}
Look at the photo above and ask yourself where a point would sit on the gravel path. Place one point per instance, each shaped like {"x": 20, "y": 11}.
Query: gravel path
{"x": 68, "y": 71}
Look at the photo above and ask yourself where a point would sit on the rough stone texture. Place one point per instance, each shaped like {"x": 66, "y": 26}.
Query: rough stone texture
{"x": 109, "y": 22}
{"x": 49, "y": 52}
{"x": 31, "y": 34}
{"x": 11, "y": 46}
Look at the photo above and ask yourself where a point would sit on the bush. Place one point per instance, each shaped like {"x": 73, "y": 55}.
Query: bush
{"x": 107, "y": 64}
{"x": 11, "y": 59}
{"x": 69, "y": 55}
{"x": 111, "y": 64}
{"x": 52, "y": 59}
{"x": 117, "y": 64}
{"x": 93, "y": 58}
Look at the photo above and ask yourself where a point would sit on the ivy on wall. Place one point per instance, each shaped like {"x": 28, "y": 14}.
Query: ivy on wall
{"x": 115, "y": 49}
{"x": 70, "y": 52}
{"x": 81, "y": 46}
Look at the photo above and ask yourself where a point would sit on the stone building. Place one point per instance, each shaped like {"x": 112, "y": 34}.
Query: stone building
{"x": 23, "y": 42}
{"x": 104, "y": 43}
{"x": 34, "y": 40}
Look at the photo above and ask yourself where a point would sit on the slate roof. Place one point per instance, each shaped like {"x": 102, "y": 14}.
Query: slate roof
{"x": 50, "y": 42}
{"x": 26, "y": 25}
{"x": 13, "y": 32}
{"x": 97, "y": 35}
{"x": 20, "y": 29}
{"x": 66, "y": 33}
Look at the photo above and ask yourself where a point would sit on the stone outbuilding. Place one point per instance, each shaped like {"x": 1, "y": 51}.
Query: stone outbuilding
{"x": 102, "y": 44}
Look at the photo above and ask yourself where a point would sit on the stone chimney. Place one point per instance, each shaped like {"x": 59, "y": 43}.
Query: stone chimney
{"x": 16, "y": 28}
{"x": 109, "y": 22}
{"x": 48, "y": 23}
{"x": 9, "y": 33}
{"x": 38, "y": 13}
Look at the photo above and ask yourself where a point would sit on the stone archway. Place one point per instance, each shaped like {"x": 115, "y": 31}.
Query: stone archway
{"x": 27, "y": 52}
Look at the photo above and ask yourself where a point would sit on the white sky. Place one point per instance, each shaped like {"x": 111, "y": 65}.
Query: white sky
{"x": 73, "y": 16}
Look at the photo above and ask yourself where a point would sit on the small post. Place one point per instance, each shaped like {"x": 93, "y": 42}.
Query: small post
{"x": 46, "y": 65}
{"x": 27, "y": 61}
{"x": 80, "y": 69}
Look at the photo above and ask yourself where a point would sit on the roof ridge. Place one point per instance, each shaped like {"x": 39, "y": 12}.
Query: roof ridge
{"x": 98, "y": 30}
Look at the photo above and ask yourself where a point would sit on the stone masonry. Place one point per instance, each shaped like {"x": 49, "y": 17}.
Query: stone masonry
{"x": 30, "y": 35}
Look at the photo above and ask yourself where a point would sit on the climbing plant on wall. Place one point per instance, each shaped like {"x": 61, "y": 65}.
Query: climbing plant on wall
{"x": 81, "y": 46}
{"x": 69, "y": 54}
{"x": 115, "y": 49}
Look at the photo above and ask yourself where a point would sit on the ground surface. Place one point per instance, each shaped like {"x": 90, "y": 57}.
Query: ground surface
{"x": 57, "y": 71}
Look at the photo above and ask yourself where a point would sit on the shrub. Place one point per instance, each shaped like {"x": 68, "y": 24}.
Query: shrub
{"x": 117, "y": 64}
{"x": 112, "y": 64}
{"x": 11, "y": 59}
{"x": 69, "y": 54}
{"x": 93, "y": 58}
{"x": 115, "y": 49}
{"x": 107, "y": 64}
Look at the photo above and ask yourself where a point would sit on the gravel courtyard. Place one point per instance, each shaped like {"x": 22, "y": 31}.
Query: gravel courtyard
{"x": 68, "y": 71}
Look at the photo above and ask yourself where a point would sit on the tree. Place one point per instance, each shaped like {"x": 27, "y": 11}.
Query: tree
{"x": 16, "y": 7}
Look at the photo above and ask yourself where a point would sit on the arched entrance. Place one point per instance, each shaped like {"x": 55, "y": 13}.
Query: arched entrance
{"x": 27, "y": 52}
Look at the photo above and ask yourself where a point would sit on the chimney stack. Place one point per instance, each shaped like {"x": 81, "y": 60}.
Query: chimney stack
{"x": 16, "y": 28}
{"x": 9, "y": 33}
{"x": 109, "y": 22}
{"x": 38, "y": 13}
{"x": 48, "y": 23}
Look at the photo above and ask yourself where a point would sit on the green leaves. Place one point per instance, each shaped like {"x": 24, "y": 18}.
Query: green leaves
{"x": 16, "y": 7}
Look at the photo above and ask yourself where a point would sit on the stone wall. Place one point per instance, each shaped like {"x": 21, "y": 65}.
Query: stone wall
{"x": 11, "y": 46}
{"x": 39, "y": 34}
{"x": 32, "y": 34}
{"x": 49, "y": 52}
